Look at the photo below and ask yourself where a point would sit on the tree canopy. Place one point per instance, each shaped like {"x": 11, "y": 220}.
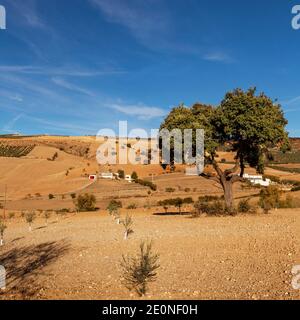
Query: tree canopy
{"x": 251, "y": 124}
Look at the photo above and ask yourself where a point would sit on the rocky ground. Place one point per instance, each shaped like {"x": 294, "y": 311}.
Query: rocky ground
{"x": 78, "y": 257}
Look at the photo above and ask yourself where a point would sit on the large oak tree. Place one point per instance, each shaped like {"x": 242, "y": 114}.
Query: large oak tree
{"x": 251, "y": 124}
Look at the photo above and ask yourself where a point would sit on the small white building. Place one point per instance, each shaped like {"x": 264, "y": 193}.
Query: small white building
{"x": 128, "y": 178}
{"x": 107, "y": 175}
{"x": 257, "y": 180}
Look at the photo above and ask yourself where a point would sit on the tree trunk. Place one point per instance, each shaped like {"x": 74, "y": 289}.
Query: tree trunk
{"x": 228, "y": 194}
{"x": 1, "y": 242}
{"x": 126, "y": 235}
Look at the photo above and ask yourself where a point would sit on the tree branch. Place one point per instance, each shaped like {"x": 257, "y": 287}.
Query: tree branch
{"x": 234, "y": 169}
{"x": 237, "y": 178}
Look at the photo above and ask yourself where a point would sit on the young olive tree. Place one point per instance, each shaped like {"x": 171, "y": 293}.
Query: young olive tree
{"x": 113, "y": 209}
{"x": 30, "y": 217}
{"x": 140, "y": 270}
{"x": 2, "y": 229}
{"x": 47, "y": 215}
{"x": 127, "y": 223}
{"x": 251, "y": 124}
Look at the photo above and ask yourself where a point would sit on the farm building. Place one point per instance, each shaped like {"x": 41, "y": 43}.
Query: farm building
{"x": 257, "y": 180}
{"x": 106, "y": 175}
{"x": 93, "y": 177}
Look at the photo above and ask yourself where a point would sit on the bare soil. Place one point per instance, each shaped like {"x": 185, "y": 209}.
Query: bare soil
{"x": 78, "y": 257}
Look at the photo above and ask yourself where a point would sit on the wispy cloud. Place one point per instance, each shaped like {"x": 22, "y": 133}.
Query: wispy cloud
{"x": 8, "y": 127}
{"x": 72, "y": 87}
{"x": 27, "y": 13}
{"x": 290, "y": 101}
{"x": 11, "y": 95}
{"x": 140, "y": 111}
{"x": 52, "y": 71}
{"x": 218, "y": 56}
{"x": 146, "y": 21}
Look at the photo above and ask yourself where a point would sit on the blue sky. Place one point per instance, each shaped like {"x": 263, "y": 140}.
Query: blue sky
{"x": 74, "y": 67}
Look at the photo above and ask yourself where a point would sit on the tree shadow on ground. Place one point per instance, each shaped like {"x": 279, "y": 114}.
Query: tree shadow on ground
{"x": 24, "y": 264}
{"x": 170, "y": 213}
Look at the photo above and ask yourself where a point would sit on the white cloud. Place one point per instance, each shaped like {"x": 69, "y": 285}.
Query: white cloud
{"x": 67, "y": 85}
{"x": 291, "y": 101}
{"x": 27, "y": 13}
{"x": 55, "y": 71}
{"x": 9, "y": 126}
{"x": 148, "y": 21}
{"x": 218, "y": 56}
{"x": 140, "y": 111}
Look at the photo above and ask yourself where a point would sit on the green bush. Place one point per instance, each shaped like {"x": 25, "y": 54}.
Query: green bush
{"x": 244, "y": 206}
{"x": 210, "y": 208}
{"x": 269, "y": 198}
{"x": 272, "y": 178}
{"x": 170, "y": 190}
{"x": 134, "y": 176}
{"x": 147, "y": 183}
{"x": 121, "y": 174}
{"x": 85, "y": 202}
{"x": 131, "y": 206}
{"x": 210, "y": 198}
{"x": 176, "y": 202}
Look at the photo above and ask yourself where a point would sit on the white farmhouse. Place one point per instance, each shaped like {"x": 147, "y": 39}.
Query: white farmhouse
{"x": 107, "y": 175}
{"x": 257, "y": 180}
{"x": 128, "y": 178}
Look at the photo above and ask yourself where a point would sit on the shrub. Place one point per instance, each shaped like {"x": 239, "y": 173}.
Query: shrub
{"x": 188, "y": 200}
{"x": 85, "y": 202}
{"x": 139, "y": 271}
{"x": 289, "y": 202}
{"x": 210, "y": 208}
{"x": 73, "y": 195}
{"x": 30, "y": 217}
{"x": 2, "y": 229}
{"x": 127, "y": 223}
{"x": 177, "y": 202}
{"x": 272, "y": 178}
{"x": 131, "y": 206}
{"x": 47, "y": 215}
{"x": 121, "y": 174}
{"x": 134, "y": 176}
{"x": 244, "y": 206}
{"x": 147, "y": 183}
{"x": 294, "y": 189}
{"x": 11, "y": 215}
{"x": 187, "y": 190}
{"x": 113, "y": 209}
{"x": 51, "y": 196}
{"x": 269, "y": 198}
{"x": 170, "y": 190}
{"x": 209, "y": 198}
{"x": 223, "y": 160}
